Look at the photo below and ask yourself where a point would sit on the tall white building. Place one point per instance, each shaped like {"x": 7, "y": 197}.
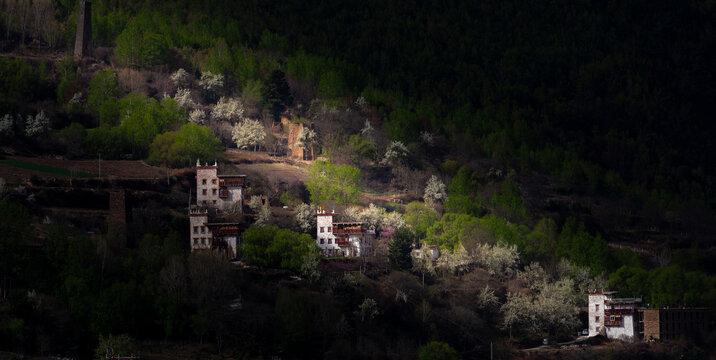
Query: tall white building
{"x": 223, "y": 192}
{"x": 616, "y": 318}
{"x": 342, "y": 238}
{"x": 215, "y": 193}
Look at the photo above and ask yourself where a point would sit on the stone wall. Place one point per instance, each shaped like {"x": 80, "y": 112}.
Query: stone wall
{"x": 83, "y": 37}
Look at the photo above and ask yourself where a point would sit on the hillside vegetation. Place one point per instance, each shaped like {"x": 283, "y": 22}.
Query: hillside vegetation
{"x": 545, "y": 148}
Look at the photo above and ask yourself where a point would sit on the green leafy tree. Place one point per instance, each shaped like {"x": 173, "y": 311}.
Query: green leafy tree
{"x": 138, "y": 45}
{"x": 339, "y": 183}
{"x": 451, "y": 230}
{"x": 276, "y": 94}
{"x": 462, "y": 194}
{"x": 509, "y": 202}
{"x": 436, "y": 350}
{"x": 179, "y": 148}
{"x": 399, "y": 250}
{"x": 420, "y": 217}
{"x": 102, "y": 97}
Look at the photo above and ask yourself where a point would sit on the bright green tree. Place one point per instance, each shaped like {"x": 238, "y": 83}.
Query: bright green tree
{"x": 462, "y": 194}
{"x": 436, "y": 350}
{"x": 179, "y": 148}
{"x": 102, "y": 97}
{"x": 341, "y": 183}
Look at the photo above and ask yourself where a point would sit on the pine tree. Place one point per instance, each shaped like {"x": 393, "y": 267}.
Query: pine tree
{"x": 400, "y": 248}
{"x": 276, "y": 95}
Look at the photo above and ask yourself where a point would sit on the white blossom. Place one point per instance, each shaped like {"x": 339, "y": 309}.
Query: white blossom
{"x": 264, "y": 216}
{"x": 180, "y": 77}
{"x": 197, "y": 116}
{"x": 210, "y": 81}
{"x": 458, "y": 261}
{"x": 396, "y": 152}
{"x": 499, "y": 260}
{"x": 6, "y": 125}
{"x": 76, "y": 98}
{"x": 427, "y": 138}
{"x": 229, "y": 109}
{"x": 306, "y": 217}
{"x": 367, "y": 310}
{"x": 361, "y": 102}
{"x": 248, "y": 133}
{"x": 183, "y": 98}
{"x": 367, "y": 129}
{"x": 37, "y": 125}
{"x": 486, "y": 299}
{"x": 435, "y": 190}
{"x": 375, "y": 216}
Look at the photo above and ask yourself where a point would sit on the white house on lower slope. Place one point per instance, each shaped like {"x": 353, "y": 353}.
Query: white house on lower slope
{"x": 342, "y": 238}
{"x": 616, "y": 318}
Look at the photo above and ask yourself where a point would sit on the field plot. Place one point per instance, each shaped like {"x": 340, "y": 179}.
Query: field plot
{"x": 16, "y": 168}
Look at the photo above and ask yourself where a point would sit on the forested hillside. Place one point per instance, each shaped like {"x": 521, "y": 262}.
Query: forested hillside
{"x": 545, "y": 149}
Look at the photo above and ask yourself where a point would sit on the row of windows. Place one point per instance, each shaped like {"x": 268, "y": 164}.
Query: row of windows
{"x": 197, "y": 228}
{"x": 611, "y": 318}
{"x": 204, "y": 241}
{"x": 204, "y": 191}
{"x": 330, "y": 241}
{"x": 212, "y": 201}
{"x": 328, "y": 229}
{"x": 203, "y": 181}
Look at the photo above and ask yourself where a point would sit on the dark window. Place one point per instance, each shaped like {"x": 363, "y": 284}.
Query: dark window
{"x": 612, "y": 318}
{"x": 213, "y": 181}
{"x": 213, "y": 191}
{"x": 330, "y": 241}
{"x": 596, "y": 318}
{"x": 329, "y": 229}
{"x": 203, "y": 181}
{"x": 321, "y": 228}
{"x": 321, "y": 241}
{"x": 203, "y": 191}
{"x": 196, "y": 229}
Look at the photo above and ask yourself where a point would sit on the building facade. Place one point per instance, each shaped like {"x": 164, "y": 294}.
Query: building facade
{"x": 218, "y": 236}
{"x": 223, "y": 192}
{"x": 342, "y": 238}
{"x": 621, "y": 318}
{"x": 216, "y": 194}
{"x": 616, "y": 318}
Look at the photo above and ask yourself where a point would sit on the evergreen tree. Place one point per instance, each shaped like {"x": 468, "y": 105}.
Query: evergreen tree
{"x": 400, "y": 248}
{"x": 276, "y": 94}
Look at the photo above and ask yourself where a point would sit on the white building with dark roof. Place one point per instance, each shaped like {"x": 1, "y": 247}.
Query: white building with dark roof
{"x": 223, "y": 192}
{"x": 342, "y": 238}
{"x": 216, "y": 194}
{"x": 616, "y": 318}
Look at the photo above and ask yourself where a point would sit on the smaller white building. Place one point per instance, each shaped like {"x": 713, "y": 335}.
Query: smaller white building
{"x": 616, "y": 318}
{"x": 205, "y": 235}
{"x": 342, "y": 238}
